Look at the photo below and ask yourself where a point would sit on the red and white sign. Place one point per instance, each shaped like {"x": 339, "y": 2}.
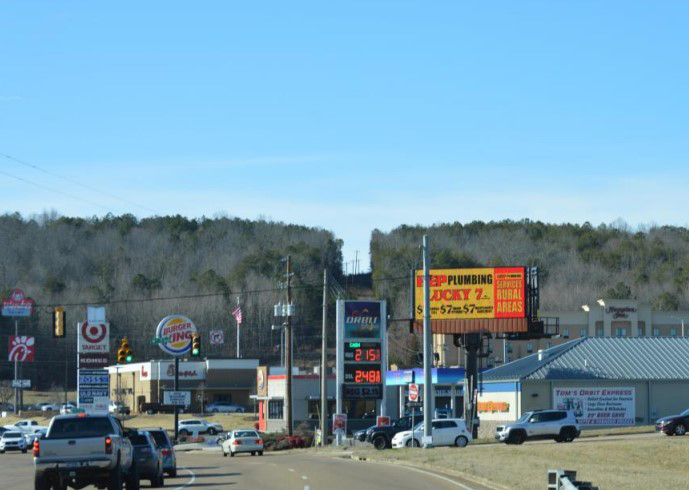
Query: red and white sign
{"x": 21, "y": 349}
{"x": 413, "y": 393}
{"x": 93, "y": 338}
{"x": 17, "y": 304}
{"x": 339, "y": 422}
{"x": 383, "y": 421}
{"x": 165, "y": 370}
{"x": 175, "y": 333}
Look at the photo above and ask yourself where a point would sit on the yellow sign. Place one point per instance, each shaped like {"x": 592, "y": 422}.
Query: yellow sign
{"x": 493, "y": 407}
{"x": 463, "y": 294}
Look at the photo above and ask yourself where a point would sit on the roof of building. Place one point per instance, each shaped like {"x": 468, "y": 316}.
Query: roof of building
{"x": 624, "y": 358}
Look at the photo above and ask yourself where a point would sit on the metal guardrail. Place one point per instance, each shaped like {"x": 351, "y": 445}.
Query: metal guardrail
{"x": 567, "y": 480}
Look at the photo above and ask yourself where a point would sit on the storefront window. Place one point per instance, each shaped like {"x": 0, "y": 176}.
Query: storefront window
{"x": 565, "y": 333}
{"x": 359, "y": 409}
{"x": 275, "y": 409}
{"x": 315, "y": 408}
{"x": 673, "y": 332}
{"x": 620, "y": 332}
{"x": 583, "y": 332}
{"x": 656, "y": 332}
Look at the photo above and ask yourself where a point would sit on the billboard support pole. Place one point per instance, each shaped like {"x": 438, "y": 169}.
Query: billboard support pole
{"x": 324, "y": 358}
{"x": 427, "y": 348}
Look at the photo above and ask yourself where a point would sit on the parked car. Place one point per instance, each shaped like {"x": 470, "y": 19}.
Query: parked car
{"x": 560, "y": 425}
{"x": 12, "y": 440}
{"x": 28, "y": 426}
{"x": 49, "y": 407}
{"x": 30, "y": 438}
{"x": 67, "y": 408}
{"x": 117, "y": 408}
{"x": 224, "y": 407}
{"x": 148, "y": 458}
{"x": 199, "y": 426}
{"x": 169, "y": 457}
{"x": 674, "y": 425}
{"x": 153, "y": 407}
{"x": 381, "y": 435}
{"x": 243, "y": 441}
{"x": 446, "y": 432}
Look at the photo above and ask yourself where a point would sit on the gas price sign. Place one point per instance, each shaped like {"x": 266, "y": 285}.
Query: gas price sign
{"x": 362, "y": 373}
{"x": 362, "y": 352}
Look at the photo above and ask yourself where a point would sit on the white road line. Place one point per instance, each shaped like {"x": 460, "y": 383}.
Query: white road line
{"x": 304, "y": 477}
{"x": 306, "y": 487}
{"x": 190, "y": 482}
{"x": 291, "y": 469}
{"x": 440, "y": 477}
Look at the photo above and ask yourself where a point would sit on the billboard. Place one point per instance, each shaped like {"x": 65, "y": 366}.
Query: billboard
{"x": 598, "y": 406}
{"x": 466, "y": 294}
{"x": 362, "y": 320}
{"x": 21, "y": 348}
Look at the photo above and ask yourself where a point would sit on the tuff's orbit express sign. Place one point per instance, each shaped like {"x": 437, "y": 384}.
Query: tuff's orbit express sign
{"x": 461, "y": 294}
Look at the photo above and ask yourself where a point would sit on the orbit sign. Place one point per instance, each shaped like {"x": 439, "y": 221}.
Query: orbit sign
{"x": 94, "y": 338}
{"x": 174, "y": 333}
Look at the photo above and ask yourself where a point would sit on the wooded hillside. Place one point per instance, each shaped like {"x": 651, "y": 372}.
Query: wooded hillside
{"x": 144, "y": 270}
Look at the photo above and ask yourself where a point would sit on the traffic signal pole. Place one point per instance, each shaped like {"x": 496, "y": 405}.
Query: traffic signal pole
{"x": 176, "y": 389}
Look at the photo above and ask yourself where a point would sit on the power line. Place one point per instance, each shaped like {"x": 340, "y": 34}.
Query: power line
{"x": 72, "y": 181}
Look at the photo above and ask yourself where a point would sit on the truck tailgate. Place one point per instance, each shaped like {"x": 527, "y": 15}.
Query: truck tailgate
{"x": 73, "y": 449}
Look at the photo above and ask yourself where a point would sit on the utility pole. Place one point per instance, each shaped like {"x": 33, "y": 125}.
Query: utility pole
{"x": 427, "y": 348}
{"x": 324, "y": 369}
{"x": 288, "y": 348}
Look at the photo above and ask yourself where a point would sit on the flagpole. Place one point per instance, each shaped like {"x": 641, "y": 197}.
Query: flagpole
{"x": 238, "y": 318}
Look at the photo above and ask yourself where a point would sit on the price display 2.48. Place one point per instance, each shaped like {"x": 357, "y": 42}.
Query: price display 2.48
{"x": 362, "y": 373}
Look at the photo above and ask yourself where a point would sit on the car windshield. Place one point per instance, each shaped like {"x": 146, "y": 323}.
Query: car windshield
{"x": 245, "y": 433}
{"x": 160, "y": 438}
{"x": 524, "y": 417}
{"x": 80, "y": 427}
{"x": 685, "y": 413}
{"x": 139, "y": 440}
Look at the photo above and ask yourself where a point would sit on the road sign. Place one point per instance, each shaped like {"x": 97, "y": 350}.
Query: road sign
{"x": 217, "y": 337}
{"x": 91, "y": 361}
{"x": 175, "y": 332}
{"x": 93, "y": 338}
{"x": 21, "y": 383}
{"x": 21, "y": 348}
{"x": 93, "y": 390}
{"x": 181, "y": 398}
{"x": 413, "y": 392}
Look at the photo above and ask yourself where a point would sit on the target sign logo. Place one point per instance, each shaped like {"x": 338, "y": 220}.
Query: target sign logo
{"x": 94, "y": 337}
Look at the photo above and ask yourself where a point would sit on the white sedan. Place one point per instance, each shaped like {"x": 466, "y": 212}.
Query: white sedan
{"x": 242, "y": 441}
{"x": 446, "y": 432}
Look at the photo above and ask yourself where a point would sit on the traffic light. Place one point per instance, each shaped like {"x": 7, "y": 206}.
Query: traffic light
{"x": 59, "y": 322}
{"x": 124, "y": 353}
{"x": 195, "y": 345}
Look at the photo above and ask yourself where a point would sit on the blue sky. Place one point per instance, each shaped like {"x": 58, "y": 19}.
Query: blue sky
{"x": 350, "y": 115}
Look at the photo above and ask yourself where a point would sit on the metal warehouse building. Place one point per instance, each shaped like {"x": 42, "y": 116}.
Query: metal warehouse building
{"x": 607, "y": 381}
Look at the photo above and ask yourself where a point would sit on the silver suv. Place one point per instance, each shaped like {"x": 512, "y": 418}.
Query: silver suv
{"x": 560, "y": 425}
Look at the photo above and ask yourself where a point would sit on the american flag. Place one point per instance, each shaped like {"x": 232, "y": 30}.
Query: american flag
{"x": 237, "y": 313}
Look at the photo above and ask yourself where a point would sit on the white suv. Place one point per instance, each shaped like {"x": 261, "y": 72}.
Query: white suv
{"x": 560, "y": 425}
{"x": 446, "y": 432}
{"x": 198, "y": 426}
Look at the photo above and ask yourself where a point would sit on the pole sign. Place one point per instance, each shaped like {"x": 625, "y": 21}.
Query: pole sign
{"x": 93, "y": 390}
{"x": 21, "y": 349}
{"x": 413, "y": 393}
{"x": 361, "y": 352}
{"x": 175, "y": 332}
{"x": 181, "y": 398}
{"x": 17, "y": 304}
{"x": 93, "y": 338}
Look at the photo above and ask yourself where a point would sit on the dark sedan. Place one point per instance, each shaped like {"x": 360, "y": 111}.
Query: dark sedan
{"x": 674, "y": 425}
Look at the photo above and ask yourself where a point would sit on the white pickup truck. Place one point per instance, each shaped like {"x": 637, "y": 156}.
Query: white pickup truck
{"x": 80, "y": 450}
{"x": 28, "y": 426}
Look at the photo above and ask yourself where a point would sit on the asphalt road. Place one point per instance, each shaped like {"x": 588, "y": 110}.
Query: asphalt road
{"x": 208, "y": 469}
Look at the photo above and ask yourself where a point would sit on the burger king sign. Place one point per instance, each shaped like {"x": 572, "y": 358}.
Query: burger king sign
{"x": 174, "y": 333}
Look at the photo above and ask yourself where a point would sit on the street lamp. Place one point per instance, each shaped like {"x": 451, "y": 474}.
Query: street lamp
{"x": 602, "y": 305}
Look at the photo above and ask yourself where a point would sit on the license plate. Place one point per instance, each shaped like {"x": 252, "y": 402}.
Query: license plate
{"x": 72, "y": 473}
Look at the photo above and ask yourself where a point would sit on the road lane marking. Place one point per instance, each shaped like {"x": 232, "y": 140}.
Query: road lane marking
{"x": 306, "y": 487}
{"x": 439, "y": 477}
{"x": 304, "y": 477}
{"x": 291, "y": 469}
{"x": 190, "y": 482}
